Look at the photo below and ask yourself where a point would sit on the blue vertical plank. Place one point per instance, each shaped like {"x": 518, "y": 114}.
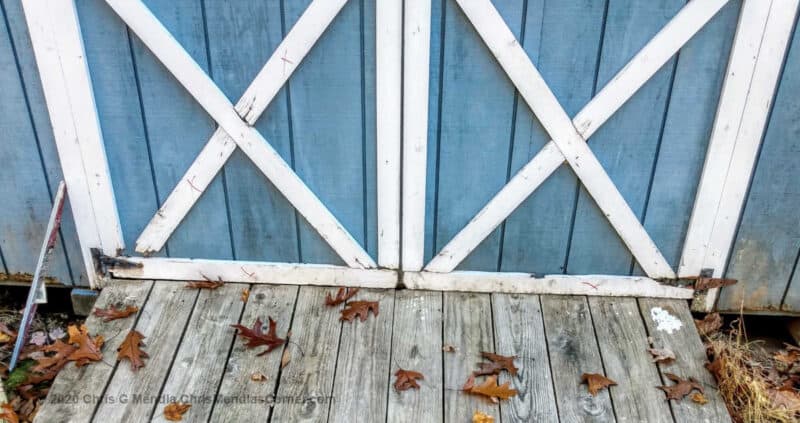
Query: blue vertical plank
{"x": 536, "y": 235}
{"x": 699, "y": 73}
{"x": 369, "y": 131}
{"x": 43, "y": 133}
{"x": 628, "y": 143}
{"x": 769, "y": 235}
{"x": 436, "y": 70}
{"x": 24, "y": 190}
{"x": 108, "y": 53}
{"x": 327, "y": 126}
{"x": 242, "y": 35}
{"x": 178, "y": 128}
{"x": 476, "y": 122}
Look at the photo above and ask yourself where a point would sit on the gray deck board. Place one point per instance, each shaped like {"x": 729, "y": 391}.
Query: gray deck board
{"x": 574, "y": 351}
{"x": 93, "y": 378}
{"x": 417, "y": 346}
{"x": 344, "y": 371}
{"x": 363, "y": 367}
{"x": 519, "y": 331}
{"x": 264, "y": 302}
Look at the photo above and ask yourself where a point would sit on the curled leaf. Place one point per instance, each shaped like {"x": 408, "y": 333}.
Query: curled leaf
{"x": 359, "y": 309}
{"x": 681, "y": 388}
{"x": 661, "y": 355}
{"x": 342, "y": 295}
{"x": 596, "y": 382}
{"x": 130, "y": 349}
{"x": 407, "y": 379}
{"x": 174, "y": 411}
{"x": 112, "y": 313}
{"x": 256, "y": 337}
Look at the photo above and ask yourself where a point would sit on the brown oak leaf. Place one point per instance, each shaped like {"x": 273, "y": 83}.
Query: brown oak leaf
{"x": 788, "y": 356}
{"x": 54, "y": 362}
{"x": 174, "y": 411}
{"x": 342, "y": 295}
{"x": 789, "y": 400}
{"x": 205, "y": 284}
{"x": 481, "y": 417}
{"x": 496, "y": 364}
{"x": 596, "y": 382}
{"x": 88, "y": 348}
{"x": 131, "y": 349}
{"x": 112, "y": 313}
{"x": 681, "y": 388}
{"x": 359, "y": 309}
{"x": 661, "y": 355}
{"x": 8, "y": 414}
{"x": 407, "y": 379}
{"x": 258, "y": 377}
{"x": 710, "y": 324}
{"x": 490, "y": 389}
{"x": 470, "y": 383}
{"x": 256, "y": 337}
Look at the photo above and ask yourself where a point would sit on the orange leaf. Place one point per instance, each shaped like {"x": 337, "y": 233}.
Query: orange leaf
{"x": 490, "y": 389}
{"x": 359, "y": 309}
{"x": 88, "y": 348}
{"x": 205, "y": 284}
{"x": 245, "y": 295}
{"x": 342, "y": 295}
{"x": 596, "y": 382}
{"x": 8, "y": 414}
{"x": 174, "y": 411}
{"x": 710, "y": 324}
{"x": 407, "y": 379}
{"x": 256, "y": 336}
{"x": 130, "y": 349}
{"x": 699, "y": 398}
{"x": 113, "y": 313}
{"x": 681, "y": 388}
{"x": 480, "y": 417}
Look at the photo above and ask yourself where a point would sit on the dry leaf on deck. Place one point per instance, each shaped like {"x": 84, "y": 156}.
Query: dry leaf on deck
{"x": 448, "y": 348}
{"x": 789, "y": 400}
{"x": 245, "y": 295}
{"x": 256, "y": 336}
{"x": 596, "y": 382}
{"x": 699, "y": 398}
{"x": 789, "y": 355}
{"x": 258, "y": 377}
{"x": 359, "y": 309}
{"x": 205, "y": 284}
{"x": 286, "y": 357}
{"x": 342, "y": 295}
{"x": 55, "y": 362}
{"x": 661, "y": 355}
{"x": 481, "y": 417}
{"x": 490, "y": 389}
{"x": 130, "y": 349}
{"x": 498, "y": 363}
{"x": 710, "y": 324}
{"x": 8, "y": 414}
{"x": 407, "y": 379}
{"x": 174, "y": 411}
{"x": 112, "y": 313}
{"x": 88, "y": 348}
{"x": 681, "y": 388}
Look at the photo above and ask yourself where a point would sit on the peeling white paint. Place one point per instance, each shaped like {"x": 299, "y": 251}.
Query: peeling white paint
{"x": 665, "y": 321}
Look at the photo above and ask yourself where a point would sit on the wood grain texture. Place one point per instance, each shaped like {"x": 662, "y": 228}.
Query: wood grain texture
{"x": 519, "y": 331}
{"x": 205, "y": 345}
{"x": 363, "y": 364}
{"x": 417, "y": 345}
{"x": 239, "y": 397}
{"x": 573, "y": 351}
{"x": 94, "y": 377}
{"x": 468, "y": 328}
{"x": 306, "y": 383}
{"x": 162, "y": 322}
{"x": 623, "y": 344}
{"x": 690, "y": 359}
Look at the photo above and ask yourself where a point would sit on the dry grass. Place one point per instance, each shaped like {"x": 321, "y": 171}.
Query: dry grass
{"x": 750, "y": 381}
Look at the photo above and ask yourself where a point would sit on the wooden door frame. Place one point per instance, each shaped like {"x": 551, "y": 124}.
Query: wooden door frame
{"x": 402, "y": 53}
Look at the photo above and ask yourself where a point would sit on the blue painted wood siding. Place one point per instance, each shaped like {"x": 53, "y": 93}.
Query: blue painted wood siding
{"x": 480, "y": 134}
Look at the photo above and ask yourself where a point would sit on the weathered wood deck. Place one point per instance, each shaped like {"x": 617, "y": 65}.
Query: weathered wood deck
{"x": 342, "y": 371}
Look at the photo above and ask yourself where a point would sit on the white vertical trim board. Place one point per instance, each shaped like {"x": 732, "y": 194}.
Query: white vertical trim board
{"x": 277, "y": 70}
{"x": 213, "y": 100}
{"x": 58, "y": 48}
{"x": 682, "y": 27}
{"x": 416, "y": 66}
{"x": 533, "y": 89}
{"x": 754, "y": 68}
{"x": 389, "y": 68}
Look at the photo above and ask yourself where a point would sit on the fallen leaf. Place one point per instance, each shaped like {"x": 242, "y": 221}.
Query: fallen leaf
{"x": 8, "y": 414}
{"x": 596, "y": 382}
{"x": 449, "y": 348}
{"x": 789, "y": 400}
{"x": 256, "y": 336}
{"x": 38, "y": 338}
{"x": 470, "y": 383}
{"x": 359, "y": 309}
{"x": 4, "y": 339}
{"x": 407, "y": 379}
{"x": 710, "y": 324}
{"x": 661, "y": 355}
{"x": 699, "y": 398}
{"x": 498, "y": 363}
{"x": 205, "y": 284}
{"x": 285, "y": 358}
{"x": 480, "y": 417}
{"x": 490, "y": 389}
{"x": 245, "y": 295}
{"x": 6, "y": 334}
{"x": 88, "y": 348}
{"x": 174, "y": 411}
{"x": 342, "y": 295}
{"x": 258, "y": 377}
{"x": 716, "y": 367}
{"x": 131, "y": 349}
{"x": 681, "y": 388}
{"x": 112, "y": 313}
{"x": 789, "y": 355}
